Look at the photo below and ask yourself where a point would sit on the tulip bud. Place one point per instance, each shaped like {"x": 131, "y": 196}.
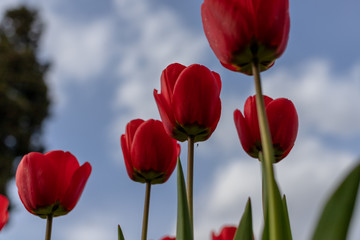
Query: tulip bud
{"x": 150, "y": 154}
{"x": 241, "y": 31}
{"x": 51, "y": 183}
{"x": 283, "y": 124}
{"x": 227, "y": 233}
{"x": 189, "y": 102}
{"x": 4, "y": 214}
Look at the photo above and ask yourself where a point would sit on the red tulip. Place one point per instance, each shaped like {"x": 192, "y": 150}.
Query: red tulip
{"x": 243, "y": 31}
{"x": 4, "y": 214}
{"x": 168, "y": 238}
{"x": 227, "y": 233}
{"x": 51, "y": 183}
{"x": 189, "y": 102}
{"x": 283, "y": 124}
{"x": 150, "y": 154}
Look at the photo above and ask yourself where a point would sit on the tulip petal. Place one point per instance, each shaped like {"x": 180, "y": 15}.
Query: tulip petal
{"x": 272, "y": 22}
{"x": 250, "y": 113}
{"x": 195, "y": 94}
{"x": 153, "y": 150}
{"x": 245, "y": 137}
{"x": 166, "y": 113}
{"x": 168, "y": 79}
{"x": 127, "y": 158}
{"x": 131, "y": 128}
{"x": 76, "y": 187}
{"x": 4, "y": 214}
{"x": 35, "y": 178}
{"x": 218, "y": 80}
{"x": 283, "y": 121}
{"x": 228, "y": 27}
{"x": 227, "y": 233}
{"x": 66, "y": 164}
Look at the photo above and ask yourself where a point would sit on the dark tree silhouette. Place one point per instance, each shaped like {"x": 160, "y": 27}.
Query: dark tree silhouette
{"x": 24, "y": 100}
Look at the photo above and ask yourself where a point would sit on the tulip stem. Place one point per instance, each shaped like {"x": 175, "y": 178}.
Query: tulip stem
{"x": 146, "y": 211}
{"x": 49, "y": 220}
{"x": 268, "y": 157}
{"x": 190, "y": 174}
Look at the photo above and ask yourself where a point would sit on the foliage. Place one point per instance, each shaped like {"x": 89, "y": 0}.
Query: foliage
{"x": 24, "y": 100}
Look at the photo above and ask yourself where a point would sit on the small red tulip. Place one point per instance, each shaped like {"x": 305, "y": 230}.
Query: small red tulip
{"x": 168, "y": 238}
{"x": 189, "y": 102}
{"x": 283, "y": 124}
{"x": 4, "y": 214}
{"x": 227, "y": 233}
{"x": 150, "y": 154}
{"x": 242, "y": 31}
{"x": 51, "y": 183}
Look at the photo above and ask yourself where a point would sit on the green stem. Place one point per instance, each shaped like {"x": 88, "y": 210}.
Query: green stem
{"x": 146, "y": 211}
{"x": 268, "y": 156}
{"x": 264, "y": 192}
{"x": 48, "y": 227}
{"x": 190, "y": 174}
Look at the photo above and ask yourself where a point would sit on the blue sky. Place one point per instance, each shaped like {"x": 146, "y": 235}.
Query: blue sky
{"x": 107, "y": 59}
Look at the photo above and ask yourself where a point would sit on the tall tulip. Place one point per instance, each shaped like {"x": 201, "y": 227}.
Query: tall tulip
{"x": 243, "y": 31}
{"x": 4, "y": 214}
{"x": 190, "y": 107}
{"x": 189, "y": 102}
{"x": 283, "y": 124}
{"x": 150, "y": 156}
{"x": 227, "y": 233}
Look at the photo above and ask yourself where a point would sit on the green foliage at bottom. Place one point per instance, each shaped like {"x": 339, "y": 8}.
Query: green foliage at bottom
{"x": 336, "y": 216}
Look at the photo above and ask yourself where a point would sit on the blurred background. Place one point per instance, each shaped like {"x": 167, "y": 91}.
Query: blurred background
{"x": 74, "y": 73}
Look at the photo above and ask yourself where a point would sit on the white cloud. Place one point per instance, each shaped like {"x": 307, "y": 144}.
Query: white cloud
{"x": 94, "y": 227}
{"x": 326, "y": 101}
{"x": 78, "y": 52}
{"x": 158, "y": 39}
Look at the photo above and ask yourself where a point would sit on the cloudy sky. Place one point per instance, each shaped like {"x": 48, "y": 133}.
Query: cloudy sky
{"x": 107, "y": 58}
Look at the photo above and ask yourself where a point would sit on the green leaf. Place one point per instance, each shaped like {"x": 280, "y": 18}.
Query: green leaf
{"x": 184, "y": 230}
{"x": 336, "y": 216}
{"x": 287, "y": 227}
{"x": 276, "y": 227}
{"x": 120, "y": 234}
{"x": 244, "y": 230}
{"x": 265, "y": 235}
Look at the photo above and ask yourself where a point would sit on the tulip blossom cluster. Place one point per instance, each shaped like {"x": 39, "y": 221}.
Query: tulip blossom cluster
{"x": 246, "y": 36}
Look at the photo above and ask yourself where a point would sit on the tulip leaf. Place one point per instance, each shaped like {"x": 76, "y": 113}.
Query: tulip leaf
{"x": 184, "y": 229}
{"x": 287, "y": 227}
{"x": 244, "y": 230}
{"x": 120, "y": 234}
{"x": 285, "y": 221}
{"x": 265, "y": 235}
{"x": 334, "y": 221}
{"x": 276, "y": 219}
